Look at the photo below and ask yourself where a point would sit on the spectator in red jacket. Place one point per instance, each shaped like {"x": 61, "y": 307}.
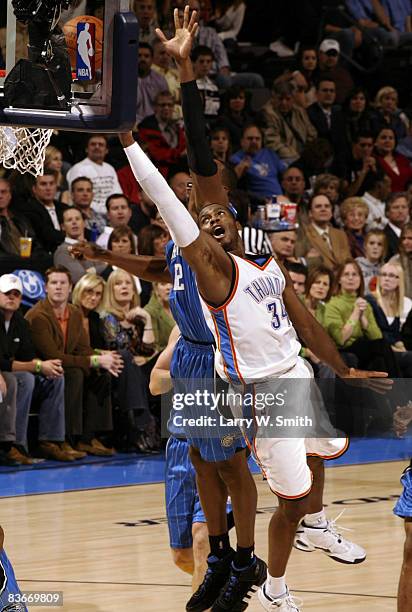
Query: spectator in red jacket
{"x": 395, "y": 165}
{"x": 163, "y": 136}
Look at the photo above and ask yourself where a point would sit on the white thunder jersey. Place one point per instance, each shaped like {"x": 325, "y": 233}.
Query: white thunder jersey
{"x": 255, "y": 339}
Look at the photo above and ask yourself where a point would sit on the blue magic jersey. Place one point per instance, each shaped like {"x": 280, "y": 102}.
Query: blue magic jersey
{"x": 184, "y": 298}
{"x": 192, "y": 365}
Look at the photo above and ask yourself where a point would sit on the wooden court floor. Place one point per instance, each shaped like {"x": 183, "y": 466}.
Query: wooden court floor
{"x": 107, "y": 549}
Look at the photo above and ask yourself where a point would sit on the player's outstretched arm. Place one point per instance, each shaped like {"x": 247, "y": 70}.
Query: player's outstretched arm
{"x": 213, "y": 267}
{"x": 318, "y": 341}
{"x": 204, "y": 170}
{"x": 145, "y": 267}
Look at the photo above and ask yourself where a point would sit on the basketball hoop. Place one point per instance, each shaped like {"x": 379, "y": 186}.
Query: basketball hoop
{"x": 23, "y": 149}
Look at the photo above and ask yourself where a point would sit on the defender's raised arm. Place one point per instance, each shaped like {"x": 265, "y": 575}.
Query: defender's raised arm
{"x": 205, "y": 172}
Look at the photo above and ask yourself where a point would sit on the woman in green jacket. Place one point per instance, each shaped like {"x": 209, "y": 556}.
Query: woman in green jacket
{"x": 350, "y": 321}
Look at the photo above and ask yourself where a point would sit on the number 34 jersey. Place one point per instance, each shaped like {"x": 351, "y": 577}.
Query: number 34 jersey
{"x": 253, "y": 334}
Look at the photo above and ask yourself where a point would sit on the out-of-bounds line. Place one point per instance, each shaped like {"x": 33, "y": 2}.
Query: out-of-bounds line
{"x": 152, "y": 584}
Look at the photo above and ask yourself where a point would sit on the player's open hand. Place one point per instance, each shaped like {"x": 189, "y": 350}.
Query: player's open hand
{"x": 376, "y": 381}
{"x": 88, "y": 250}
{"x": 180, "y": 46}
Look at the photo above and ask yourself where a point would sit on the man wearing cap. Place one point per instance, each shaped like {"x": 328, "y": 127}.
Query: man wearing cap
{"x": 329, "y": 52}
{"x": 41, "y": 381}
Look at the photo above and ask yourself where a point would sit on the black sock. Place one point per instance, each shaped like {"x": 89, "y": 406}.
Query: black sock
{"x": 244, "y": 556}
{"x": 230, "y": 520}
{"x": 219, "y": 545}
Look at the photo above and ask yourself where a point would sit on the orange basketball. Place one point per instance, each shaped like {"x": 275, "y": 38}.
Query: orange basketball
{"x": 70, "y": 32}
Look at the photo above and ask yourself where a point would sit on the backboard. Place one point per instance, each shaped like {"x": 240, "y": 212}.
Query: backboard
{"x": 91, "y": 66}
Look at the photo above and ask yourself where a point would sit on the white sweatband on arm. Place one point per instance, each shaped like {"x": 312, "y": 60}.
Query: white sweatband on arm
{"x": 180, "y": 222}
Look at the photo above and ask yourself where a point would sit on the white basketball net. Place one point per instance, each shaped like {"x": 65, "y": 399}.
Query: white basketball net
{"x": 24, "y": 149}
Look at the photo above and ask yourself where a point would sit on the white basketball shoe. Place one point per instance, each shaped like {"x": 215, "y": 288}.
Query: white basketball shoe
{"x": 286, "y": 603}
{"x": 330, "y": 541}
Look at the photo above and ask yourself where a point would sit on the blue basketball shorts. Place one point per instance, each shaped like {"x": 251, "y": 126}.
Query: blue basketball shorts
{"x": 192, "y": 370}
{"x": 403, "y": 506}
{"x": 182, "y": 500}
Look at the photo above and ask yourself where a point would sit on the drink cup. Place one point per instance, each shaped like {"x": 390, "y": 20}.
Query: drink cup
{"x": 273, "y": 211}
{"x": 25, "y": 246}
{"x": 289, "y": 212}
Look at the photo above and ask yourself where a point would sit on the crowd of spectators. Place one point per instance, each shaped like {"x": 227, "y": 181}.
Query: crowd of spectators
{"x": 80, "y": 352}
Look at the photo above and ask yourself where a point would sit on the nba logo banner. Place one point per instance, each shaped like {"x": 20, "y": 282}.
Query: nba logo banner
{"x": 85, "y": 53}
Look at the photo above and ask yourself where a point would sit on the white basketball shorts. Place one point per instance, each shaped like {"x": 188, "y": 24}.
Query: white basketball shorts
{"x": 283, "y": 461}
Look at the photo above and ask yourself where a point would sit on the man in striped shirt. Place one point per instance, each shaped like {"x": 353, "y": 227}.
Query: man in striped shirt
{"x": 255, "y": 241}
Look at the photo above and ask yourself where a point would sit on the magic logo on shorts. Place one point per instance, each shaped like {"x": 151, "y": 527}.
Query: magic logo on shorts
{"x": 85, "y": 52}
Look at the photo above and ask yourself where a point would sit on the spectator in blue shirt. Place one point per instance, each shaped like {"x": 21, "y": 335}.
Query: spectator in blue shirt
{"x": 258, "y": 168}
{"x": 388, "y": 21}
{"x": 399, "y": 14}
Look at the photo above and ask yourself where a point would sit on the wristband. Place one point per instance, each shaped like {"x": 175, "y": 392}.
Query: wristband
{"x": 95, "y": 361}
{"x": 351, "y": 322}
{"x": 37, "y": 366}
{"x": 148, "y": 329}
{"x": 97, "y": 351}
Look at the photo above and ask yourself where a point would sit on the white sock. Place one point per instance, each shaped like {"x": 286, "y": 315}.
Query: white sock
{"x": 317, "y": 519}
{"x": 275, "y": 587}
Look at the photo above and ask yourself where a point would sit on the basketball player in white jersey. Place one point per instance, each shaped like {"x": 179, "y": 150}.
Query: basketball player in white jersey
{"x": 224, "y": 281}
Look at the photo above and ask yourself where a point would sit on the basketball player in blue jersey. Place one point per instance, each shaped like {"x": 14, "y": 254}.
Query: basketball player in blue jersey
{"x": 10, "y": 594}
{"x": 403, "y": 508}
{"x": 188, "y": 534}
{"x": 186, "y": 520}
